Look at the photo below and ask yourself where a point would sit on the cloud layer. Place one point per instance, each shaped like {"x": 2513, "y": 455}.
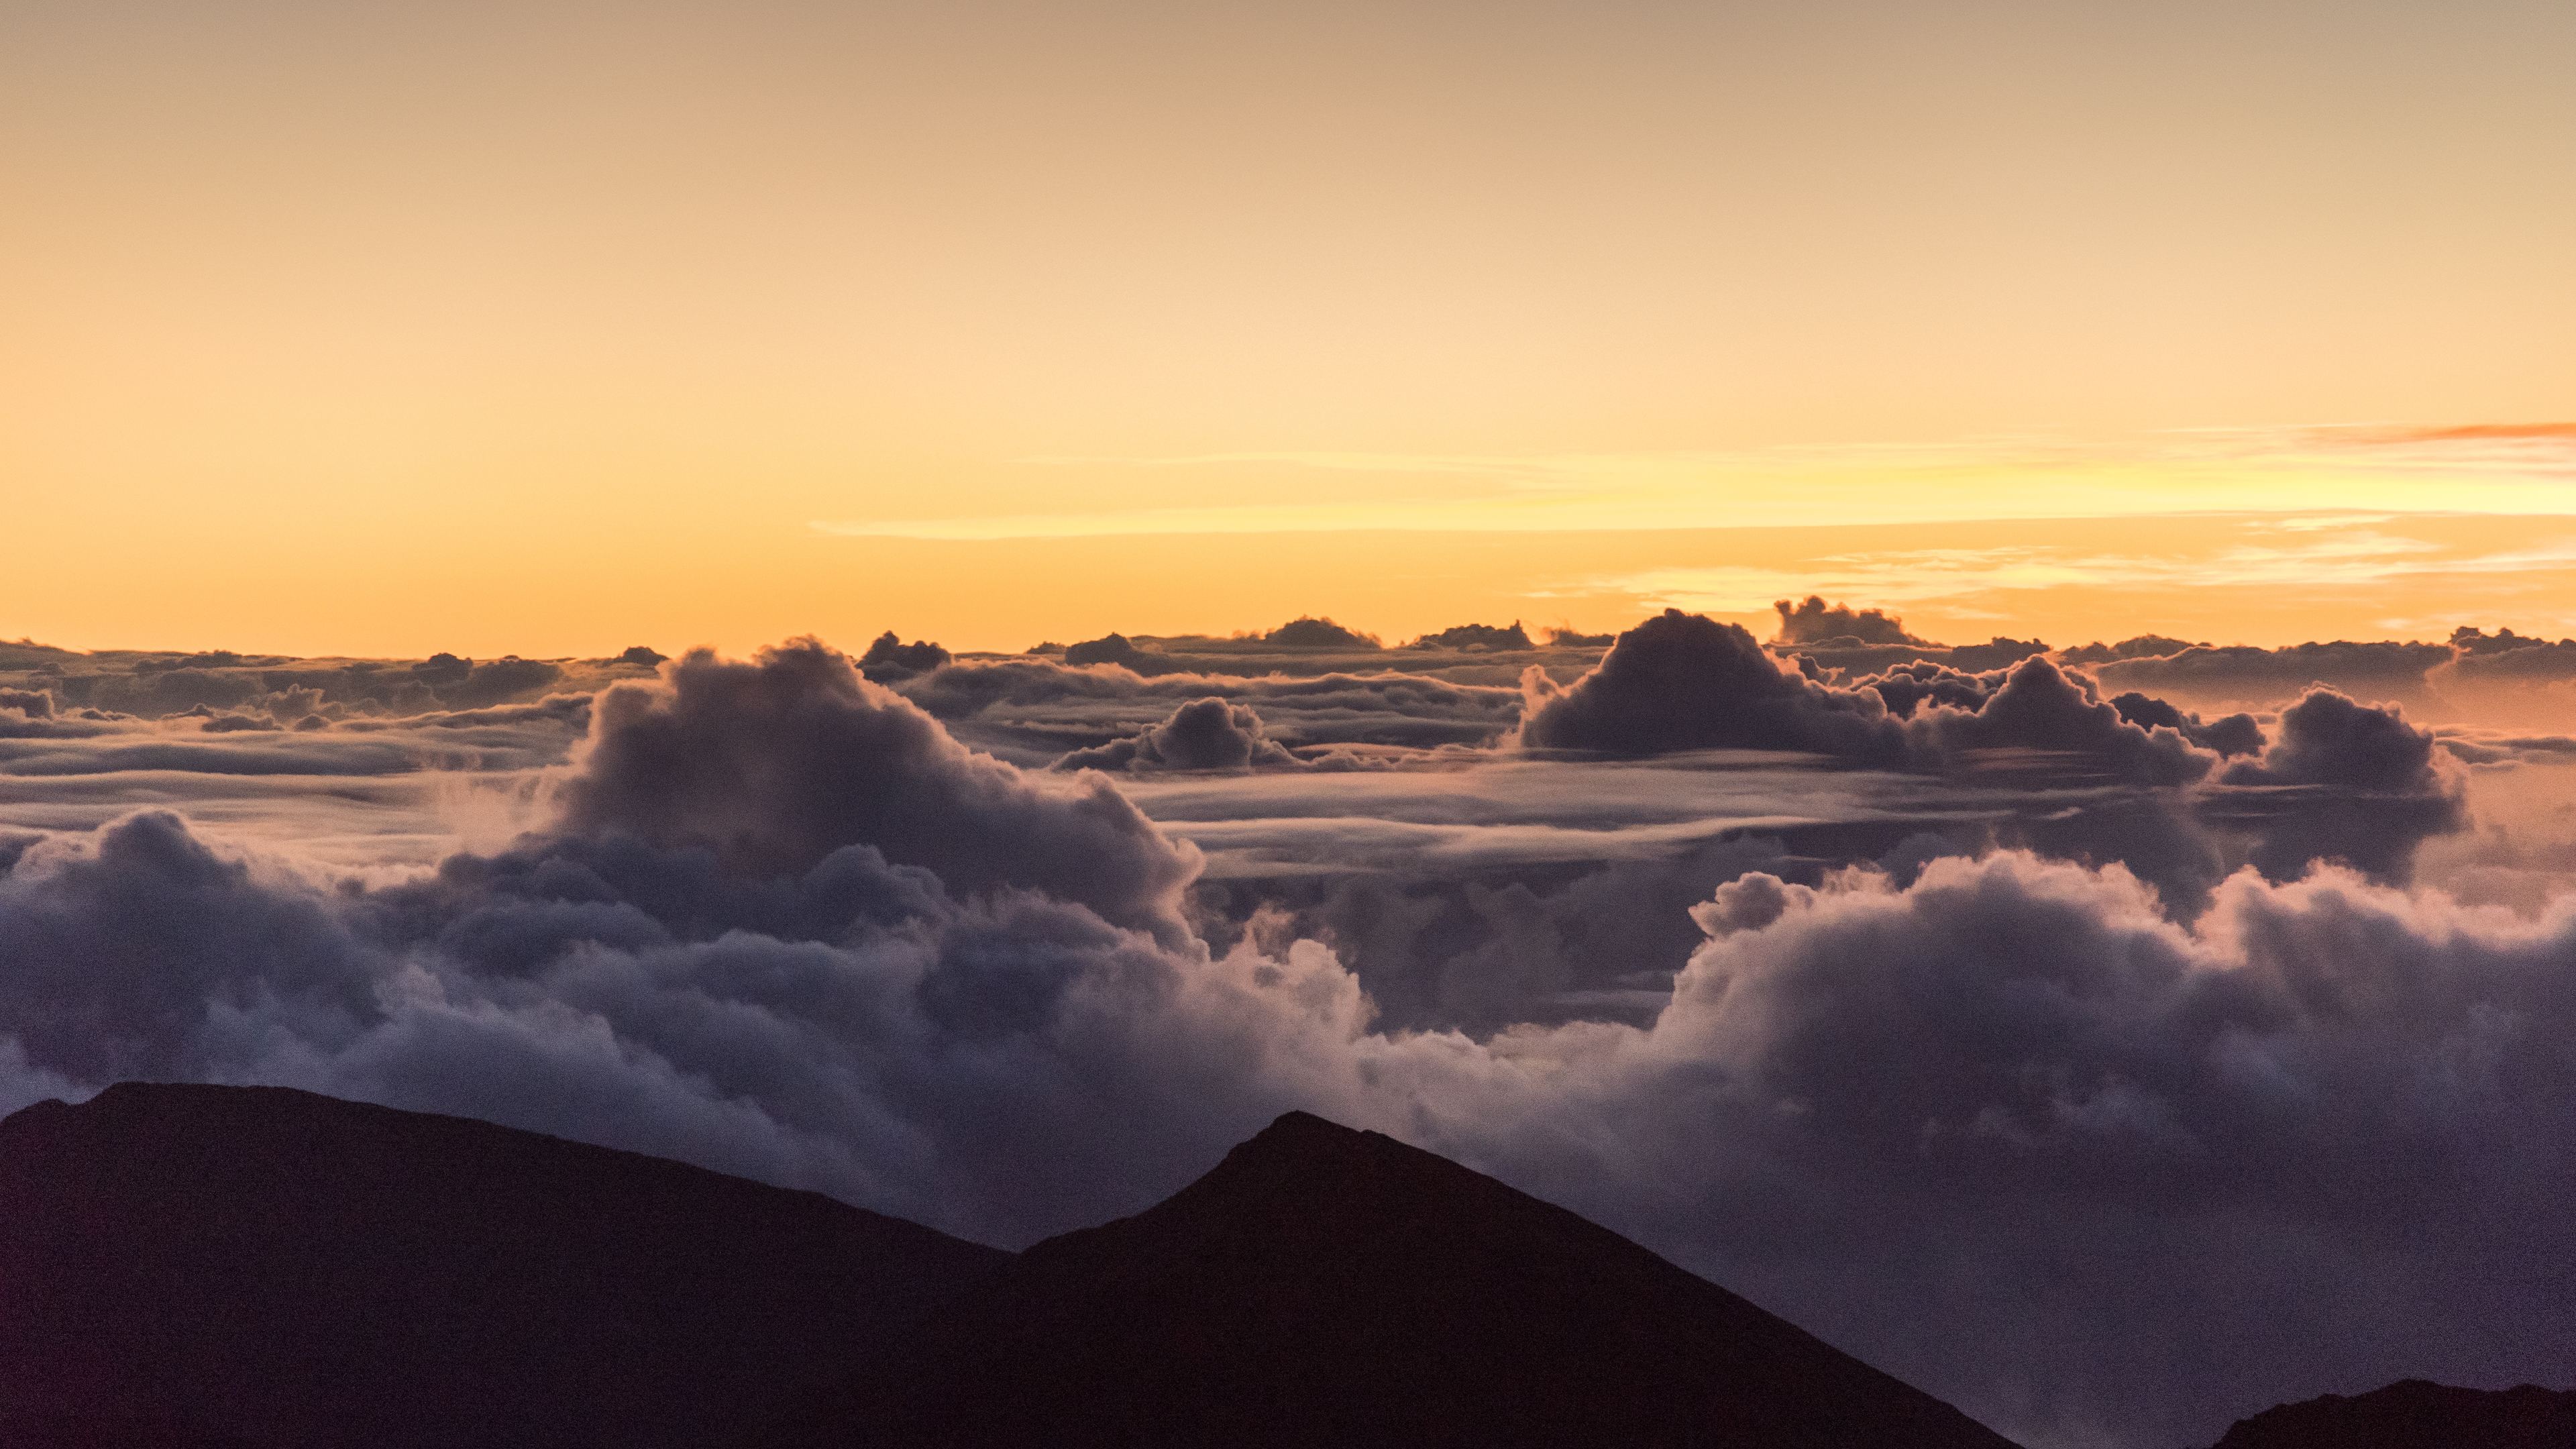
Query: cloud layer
{"x": 2003, "y": 1125}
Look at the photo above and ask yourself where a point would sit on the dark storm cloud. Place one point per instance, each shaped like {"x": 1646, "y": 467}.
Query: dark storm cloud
{"x": 776, "y": 763}
{"x": 1205, "y": 734}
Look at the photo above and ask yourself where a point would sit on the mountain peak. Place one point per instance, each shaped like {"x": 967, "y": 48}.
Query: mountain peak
{"x": 1324, "y": 1284}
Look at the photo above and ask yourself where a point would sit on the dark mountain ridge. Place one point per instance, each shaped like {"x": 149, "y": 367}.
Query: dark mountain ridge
{"x": 195, "y": 1267}
{"x": 2415, "y": 1415}
{"x": 1327, "y": 1286}
{"x": 185, "y": 1263}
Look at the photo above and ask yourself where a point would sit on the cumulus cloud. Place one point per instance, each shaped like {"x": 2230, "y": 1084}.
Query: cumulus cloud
{"x": 1477, "y": 637}
{"x": 1815, "y": 622}
{"x": 1683, "y": 682}
{"x": 776, "y": 763}
{"x": 1686, "y": 682}
{"x": 2235, "y": 734}
{"x": 2006, "y": 1130}
{"x": 1205, "y": 734}
{"x": 2327, "y": 739}
{"x": 2345, "y": 781}
{"x": 2044, "y": 711}
{"x": 1306, "y": 632}
{"x": 890, "y": 659}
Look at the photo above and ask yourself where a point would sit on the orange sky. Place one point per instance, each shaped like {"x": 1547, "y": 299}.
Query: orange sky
{"x": 551, "y": 327}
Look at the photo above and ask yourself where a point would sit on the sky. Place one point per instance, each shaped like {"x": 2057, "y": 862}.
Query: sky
{"x": 552, "y": 328}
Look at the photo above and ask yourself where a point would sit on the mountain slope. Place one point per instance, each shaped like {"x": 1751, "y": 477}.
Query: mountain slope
{"x": 190, "y": 1265}
{"x": 1326, "y": 1286}
{"x": 2415, "y": 1415}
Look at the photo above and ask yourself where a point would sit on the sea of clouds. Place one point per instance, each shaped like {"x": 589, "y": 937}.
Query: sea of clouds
{"x": 2108, "y": 1066}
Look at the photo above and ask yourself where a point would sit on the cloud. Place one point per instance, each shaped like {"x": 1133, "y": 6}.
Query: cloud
{"x": 1308, "y": 632}
{"x": 776, "y": 763}
{"x": 2140, "y": 646}
{"x": 1477, "y": 637}
{"x": 2007, "y": 1130}
{"x": 890, "y": 659}
{"x": 2043, "y": 710}
{"x": 1813, "y": 622}
{"x": 2221, "y": 1148}
{"x": 225, "y": 754}
{"x": 2235, "y": 734}
{"x": 2327, "y": 739}
{"x": 1205, "y": 734}
{"x": 499, "y": 681}
{"x": 1846, "y": 658}
{"x": 1044, "y": 708}
{"x": 2001, "y": 1125}
{"x": 2383, "y": 670}
{"x": 1686, "y": 682}
{"x": 28, "y": 703}
{"x": 2347, "y": 782}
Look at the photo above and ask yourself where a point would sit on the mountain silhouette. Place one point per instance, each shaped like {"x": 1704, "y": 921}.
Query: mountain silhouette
{"x": 1323, "y": 1286}
{"x": 2415, "y": 1415}
{"x": 192, "y": 1266}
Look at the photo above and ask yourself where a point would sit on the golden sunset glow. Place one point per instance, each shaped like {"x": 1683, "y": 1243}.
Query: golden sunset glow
{"x": 553, "y": 327}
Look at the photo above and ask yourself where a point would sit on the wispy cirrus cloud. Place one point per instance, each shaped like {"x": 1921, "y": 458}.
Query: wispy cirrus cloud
{"x": 2473, "y": 467}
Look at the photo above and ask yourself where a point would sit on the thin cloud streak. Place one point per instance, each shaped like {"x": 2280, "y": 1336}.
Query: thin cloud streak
{"x": 2482, "y": 467}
